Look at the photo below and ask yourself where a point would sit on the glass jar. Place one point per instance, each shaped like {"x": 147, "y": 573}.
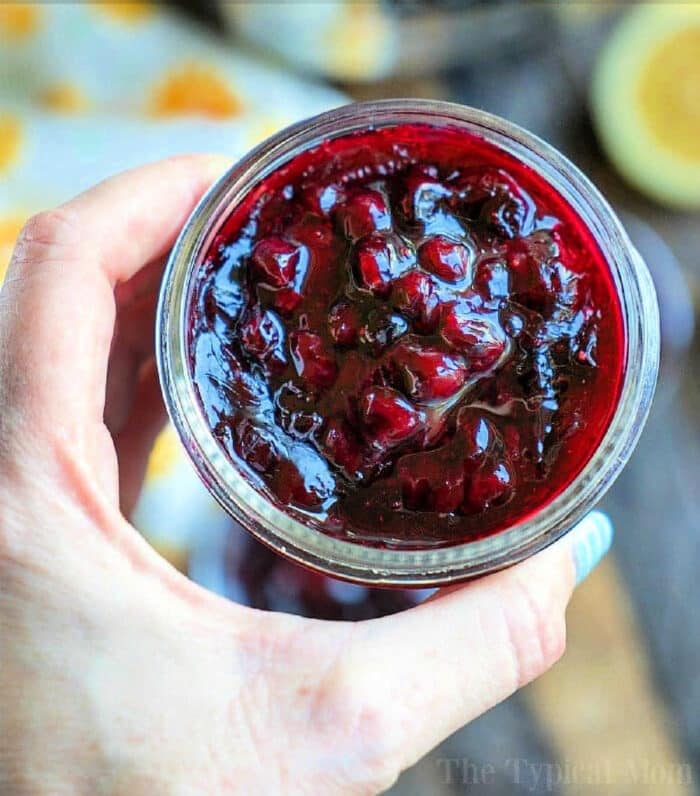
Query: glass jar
{"x": 234, "y": 564}
{"x": 407, "y": 567}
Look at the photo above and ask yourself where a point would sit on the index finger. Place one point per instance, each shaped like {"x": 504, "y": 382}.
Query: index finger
{"x": 57, "y": 306}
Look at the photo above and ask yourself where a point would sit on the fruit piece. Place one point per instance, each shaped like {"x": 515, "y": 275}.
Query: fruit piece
{"x": 379, "y": 259}
{"x": 433, "y": 480}
{"x": 509, "y": 215}
{"x": 492, "y": 197}
{"x": 477, "y": 436}
{"x": 312, "y": 362}
{"x": 389, "y": 417}
{"x": 295, "y": 411}
{"x": 644, "y": 101}
{"x": 344, "y": 322}
{"x": 286, "y": 301}
{"x": 489, "y": 486}
{"x": 424, "y": 193}
{"x": 538, "y": 281}
{"x": 262, "y": 335}
{"x": 479, "y": 338}
{"x": 356, "y": 371}
{"x": 277, "y": 261}
{"x": 415, "y": 492}
{"x": 446, "y": 258}
{"x": 342, "y": 446}
{"x": 254, "y": 445}
{"x": 364, "y": 212}
{"x": 445, "y": 496}
{"x": 305, "y": 479}
{"x": 491, "y": 279}
{"x": 322, "y": 199}
{"x": 428, "y": 373}
{"x": 416, "y": 296}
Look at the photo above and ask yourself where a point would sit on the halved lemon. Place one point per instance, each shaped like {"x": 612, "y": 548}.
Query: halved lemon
{"x": 645, "y": 100}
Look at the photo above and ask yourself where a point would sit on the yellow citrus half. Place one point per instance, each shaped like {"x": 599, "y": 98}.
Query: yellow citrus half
{"x": 646, "y": 101}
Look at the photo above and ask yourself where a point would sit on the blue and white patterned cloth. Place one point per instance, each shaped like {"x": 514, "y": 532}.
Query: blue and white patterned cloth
{"x": 87, "y": 90}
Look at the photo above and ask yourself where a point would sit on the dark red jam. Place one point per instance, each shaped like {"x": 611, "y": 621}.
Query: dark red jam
{"x": 407, "y": 337}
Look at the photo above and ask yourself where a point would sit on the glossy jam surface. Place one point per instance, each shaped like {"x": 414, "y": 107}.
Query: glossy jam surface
{"x": 406, "y": 337}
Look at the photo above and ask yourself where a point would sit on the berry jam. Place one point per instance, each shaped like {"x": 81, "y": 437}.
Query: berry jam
{"x": 406, "y": 337}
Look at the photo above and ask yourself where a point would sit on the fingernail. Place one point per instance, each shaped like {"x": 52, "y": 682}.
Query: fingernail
{"x": 592, "y": 538}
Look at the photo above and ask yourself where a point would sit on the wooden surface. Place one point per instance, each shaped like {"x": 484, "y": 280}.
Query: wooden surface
{"x": 599, "y": 707}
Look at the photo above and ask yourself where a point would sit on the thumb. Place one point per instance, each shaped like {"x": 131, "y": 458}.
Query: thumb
{"x": 428, "y": 671}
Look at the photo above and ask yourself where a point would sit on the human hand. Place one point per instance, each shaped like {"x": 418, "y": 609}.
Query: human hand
{"x": 120, "y": 676}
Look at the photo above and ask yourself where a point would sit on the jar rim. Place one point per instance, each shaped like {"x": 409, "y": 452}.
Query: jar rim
{"x": 419, "y": 567}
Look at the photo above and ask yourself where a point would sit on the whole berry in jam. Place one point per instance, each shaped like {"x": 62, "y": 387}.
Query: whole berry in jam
{"x": 388, "y": 416}
{"x": 312, "y": 362}
{"x": 488, "y": 486}
{"x": 478, "y": 435}
{"x": 379, "y": 259}
{"x": 263, "y": 336}
{"x": 342, "y": 447}
{"x": 416, "y": 295}
{"x": 276, "y": 261}
{"x": 478, "y": 336}
{"x": 492, "y": 279}
{"x": 429, "y": 374}
{"x": 253, "y": 444}
{"x": 344, "y": 322}
{"x": 364, "y": 212}
{"x": 445, "y": 258}
{"x": 407, "y": 337}
{"x": 423, "y": 194}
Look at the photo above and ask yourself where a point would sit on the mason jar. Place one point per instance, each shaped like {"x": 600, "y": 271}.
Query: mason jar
{"x": 305, "y": 542}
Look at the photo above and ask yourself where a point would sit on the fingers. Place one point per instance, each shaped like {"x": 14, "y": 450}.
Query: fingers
{"x": 133, "y": 344}
{"x": 136, "y": 439}
{"x": 424, "y": 673}
{"x": 57, "y": 307}
{"x": 133, "y": 218}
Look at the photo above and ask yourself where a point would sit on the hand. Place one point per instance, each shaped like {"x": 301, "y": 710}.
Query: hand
{"x": 120, "y": 676}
